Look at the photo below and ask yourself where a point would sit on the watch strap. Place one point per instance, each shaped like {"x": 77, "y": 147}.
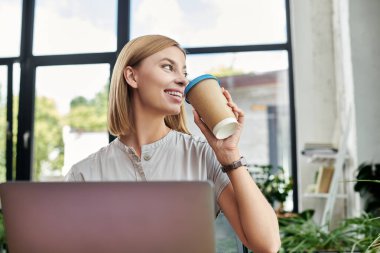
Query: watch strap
{"x": 234, "y": 165}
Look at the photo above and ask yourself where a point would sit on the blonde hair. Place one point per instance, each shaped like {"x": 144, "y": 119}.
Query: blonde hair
{"x": 120, "y": 112}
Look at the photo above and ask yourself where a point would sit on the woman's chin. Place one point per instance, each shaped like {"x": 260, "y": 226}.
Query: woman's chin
{"x": 173, "y": 112}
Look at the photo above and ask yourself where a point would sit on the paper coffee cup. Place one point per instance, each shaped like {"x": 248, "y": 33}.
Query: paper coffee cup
{"x": 205, "y": 95}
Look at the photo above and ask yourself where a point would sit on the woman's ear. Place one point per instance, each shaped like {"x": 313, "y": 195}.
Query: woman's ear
{"x": 130, "y": 76}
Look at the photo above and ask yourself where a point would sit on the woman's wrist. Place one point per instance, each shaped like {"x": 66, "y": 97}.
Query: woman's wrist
{"x": 229, "y": 157}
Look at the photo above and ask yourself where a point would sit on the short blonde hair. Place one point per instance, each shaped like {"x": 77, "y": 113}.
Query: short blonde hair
{"x": 120, "y": 112}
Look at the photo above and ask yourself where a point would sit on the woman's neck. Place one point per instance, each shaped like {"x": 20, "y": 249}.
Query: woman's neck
{"x": 149, "y": 127}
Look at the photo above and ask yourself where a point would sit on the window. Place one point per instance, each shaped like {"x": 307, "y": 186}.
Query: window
{"x": 65, "y": 96}
{"x": 3, "y": 121}
{"x": 211, "y": 23}
{"x": 258, "y": 83}
{"x": 245, "y": 44}
{"x": 66, "y": 27}
{"x": 10, "y": 13}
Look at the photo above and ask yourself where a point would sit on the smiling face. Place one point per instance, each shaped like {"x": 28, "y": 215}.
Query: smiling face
{"x": 159, "y": 81}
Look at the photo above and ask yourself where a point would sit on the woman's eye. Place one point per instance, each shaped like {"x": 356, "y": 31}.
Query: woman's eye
{"x": 168, "y": 67}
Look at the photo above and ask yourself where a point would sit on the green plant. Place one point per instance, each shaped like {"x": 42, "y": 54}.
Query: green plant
{"x": 2, "y": 230}
{"x": 301, "y": 234}
{"x": 274, "y": 185}
{"x": 367, "y": 185}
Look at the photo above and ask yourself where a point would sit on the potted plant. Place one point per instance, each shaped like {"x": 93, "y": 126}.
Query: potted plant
{"x": 2, "y": 233}
{"x": 368, "y": 176}
{"x": 273, "y": 183}
{"x": 301, "y": 234}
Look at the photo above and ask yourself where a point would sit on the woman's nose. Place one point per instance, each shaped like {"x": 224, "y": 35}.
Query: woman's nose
{"x": 182, "y": 81}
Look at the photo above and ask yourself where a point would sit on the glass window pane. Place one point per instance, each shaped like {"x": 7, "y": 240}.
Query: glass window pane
{"x": 10, "y": 27}
{"x": 70, "y": 117}
{"x": 258, "y": 83}
{"x": 3, "y": 120}
{"x": 211, "y": 23}
{"x": 64, "y": 27}
{"x": 225, "y": 238}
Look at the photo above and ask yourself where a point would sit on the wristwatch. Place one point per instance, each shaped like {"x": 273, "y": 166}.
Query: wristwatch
{"x": 234, "y": 165}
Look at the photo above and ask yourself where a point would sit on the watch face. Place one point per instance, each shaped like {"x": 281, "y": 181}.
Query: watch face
{"x": 243, "y": 161}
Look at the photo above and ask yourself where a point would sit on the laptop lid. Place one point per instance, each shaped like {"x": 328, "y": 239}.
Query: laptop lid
{"x": 108, "y": 217}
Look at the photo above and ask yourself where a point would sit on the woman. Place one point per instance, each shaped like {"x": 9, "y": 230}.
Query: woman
{"x": 146, "y": 113}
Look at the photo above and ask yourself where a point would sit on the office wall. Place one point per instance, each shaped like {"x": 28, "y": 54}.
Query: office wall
{"x": 365, "y": 43}
{"x": 314, "y": 78}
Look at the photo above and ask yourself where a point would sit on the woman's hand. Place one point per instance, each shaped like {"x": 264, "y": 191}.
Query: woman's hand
{"x": 226, "y": 150}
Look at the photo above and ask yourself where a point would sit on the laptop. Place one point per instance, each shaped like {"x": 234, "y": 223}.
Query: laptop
{"x": 114, "y": 217}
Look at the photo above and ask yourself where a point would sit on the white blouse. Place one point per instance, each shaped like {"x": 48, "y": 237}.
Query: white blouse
{"x": 175, "y": 157}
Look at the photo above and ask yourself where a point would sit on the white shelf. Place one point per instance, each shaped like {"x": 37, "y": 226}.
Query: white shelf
{"x": 323, "y": 158}
{"x": 338, "y": 160}
{"x": 323, "y": 195}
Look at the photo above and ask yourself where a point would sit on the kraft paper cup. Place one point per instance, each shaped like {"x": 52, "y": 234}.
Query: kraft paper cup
{"x": 205, "y": 95}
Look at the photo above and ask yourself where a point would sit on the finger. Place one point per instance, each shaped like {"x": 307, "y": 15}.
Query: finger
{"x": 227, "y": 95}
{"x": 240, "y": 115}
{"x": 236, "y": 114}
{"x": 233, "y": 107}
{"x": 202, "y": 126}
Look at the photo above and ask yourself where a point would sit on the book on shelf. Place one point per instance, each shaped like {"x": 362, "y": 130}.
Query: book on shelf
{"x": 325, "y": 174}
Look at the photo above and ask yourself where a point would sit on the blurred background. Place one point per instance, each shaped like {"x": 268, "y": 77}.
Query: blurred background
{"x": 306, "y": 73}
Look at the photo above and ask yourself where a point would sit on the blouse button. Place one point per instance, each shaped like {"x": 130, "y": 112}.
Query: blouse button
{"x": 147, "y": 157}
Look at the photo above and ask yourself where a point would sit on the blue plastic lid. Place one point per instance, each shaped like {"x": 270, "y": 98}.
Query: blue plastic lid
{"x": 195, "y": 81}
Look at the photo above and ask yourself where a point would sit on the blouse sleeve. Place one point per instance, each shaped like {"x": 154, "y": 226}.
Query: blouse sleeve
{"x": 74, "y": 176}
